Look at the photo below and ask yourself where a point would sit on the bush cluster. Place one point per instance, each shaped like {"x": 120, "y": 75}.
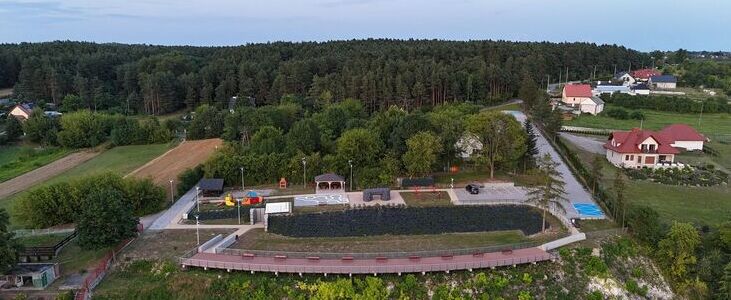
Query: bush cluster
{"x": 61, "y": 203}
{"x": 622, "y": 114}
{"x": 407, "y": 221}
{"x": 692, "y": 176}
{"x": 670, "y": 103}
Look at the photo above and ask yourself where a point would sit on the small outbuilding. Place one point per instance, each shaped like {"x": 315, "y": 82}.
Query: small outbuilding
{"x": 329, "y": 183}
{"x": 32, "y": 275}
{"x": 383, "y": 193}
{"x": 211, "y": 187}
{"x": 664, "y": 81}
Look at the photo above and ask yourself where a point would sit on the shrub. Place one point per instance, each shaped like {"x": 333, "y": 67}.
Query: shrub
{"x": 637, "y": 115}
{"x": 408, "y": 220}
{"x": 189, "y": 178}
{"x": 617, "y": 113}
{"x": 634, "y": 288}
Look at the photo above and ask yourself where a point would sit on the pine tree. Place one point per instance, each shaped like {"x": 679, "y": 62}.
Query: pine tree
{"x": 531, "y": 147}
{"x": 596, "y": 172}
{"x": 551, "y": 191}
{"x": 725, "y": 284}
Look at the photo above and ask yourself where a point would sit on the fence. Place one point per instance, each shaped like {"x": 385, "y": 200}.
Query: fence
{"x": 96, "y": 276}
{"x": 371, "y": 255}
{"x": 36, "y": 232}
{"x": 377, "y": 267}
{"x": 47, "y": 251}
{"x": 586, "y": 130}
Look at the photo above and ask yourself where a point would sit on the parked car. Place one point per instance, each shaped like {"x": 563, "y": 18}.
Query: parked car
{"x": 472, "y": 189}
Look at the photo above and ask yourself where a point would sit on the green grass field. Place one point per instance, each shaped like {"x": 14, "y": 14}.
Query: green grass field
{"x": 257, "y": 239}
{"x": 426, "y": 199}
{"x": 16, "y": 160}
{"x": 701, "y": 205}
{"x": 719, "y": 123}
{"x": 120, "y": 160}
{"x": 46, "y": 240}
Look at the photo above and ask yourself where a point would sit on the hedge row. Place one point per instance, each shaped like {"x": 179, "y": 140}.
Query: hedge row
{"x": 223, "y": 213}
{"x": 670, "y": 103}
{"x": 408, "y": 220}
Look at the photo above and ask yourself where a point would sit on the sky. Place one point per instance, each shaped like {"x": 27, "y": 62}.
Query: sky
{"x": 643, "y": 25}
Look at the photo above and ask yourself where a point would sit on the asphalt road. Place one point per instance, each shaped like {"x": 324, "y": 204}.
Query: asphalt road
{"x": 575, "y": 192}
{"x": 585, "y": 143}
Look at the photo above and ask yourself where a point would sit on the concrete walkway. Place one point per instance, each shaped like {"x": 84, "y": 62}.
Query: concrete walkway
{"x": 173, "y": 214}
{"x": 575, "y": 192}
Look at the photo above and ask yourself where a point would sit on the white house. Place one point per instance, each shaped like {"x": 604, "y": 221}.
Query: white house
{"x": 664, "y": 81}
{"x": 467, "y": 145}
{"x": 641, "y": 89}
{"x": 581, "y": 97}
{"x": 625, "y": 78}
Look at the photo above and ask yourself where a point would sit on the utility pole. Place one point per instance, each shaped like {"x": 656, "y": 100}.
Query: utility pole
{"x": 172, "y": 194}
{"x": 548, "y": 84}
{"x": 350, "y": 162}
{"x": 593, "y": 74}
{"x": 197, "y": 231}
{"x": 242, "y": 178}
{"x": 238, "y": 201}
{"x": 197, "y": 202}
{"x": 304, "y": 172}
{"x": 567, "y": 75}
{"x": 615, "y": 70}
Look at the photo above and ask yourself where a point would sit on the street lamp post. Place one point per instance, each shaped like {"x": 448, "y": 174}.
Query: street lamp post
{"x": 350, "y": 162}
{"x": 238, "y": 201}
{"x": 304, "y": 172}
{"x": 172, "y": 194}
{"x": 197, "y": 201}
{"x": 242, "y": 178}
{"x": 197, "y": 231}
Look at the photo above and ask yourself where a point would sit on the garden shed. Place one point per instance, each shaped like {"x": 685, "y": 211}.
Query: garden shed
{"x": 211, "y": 186}
{"x": 329, "y": 183}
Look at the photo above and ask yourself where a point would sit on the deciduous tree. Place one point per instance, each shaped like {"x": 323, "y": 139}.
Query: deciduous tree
{"x": 551, "y": 192}
{"x": 501, "y": 136}
{"x": 105, "y": 219}
{"x": 422, "y": 151}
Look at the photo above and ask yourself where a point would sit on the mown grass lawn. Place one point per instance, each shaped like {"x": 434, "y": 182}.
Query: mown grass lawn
{"x": 719, "y": 123}
{"x": 700, "y": 205}
{"x": 426, "y": 198}
{"x": 45, "y": 240}
{"x": 257, "y": 239}
{"x": 16, "y": 160}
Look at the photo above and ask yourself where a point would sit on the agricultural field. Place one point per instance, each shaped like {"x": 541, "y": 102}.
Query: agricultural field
{"x": 701, "y": 205}
{"x": 120, "y": 160}
{"x": 186, "y": 155}
{"x": 16, "y": 160}
{"x": 42, "y": 174}
{"x": 718, "y": 123}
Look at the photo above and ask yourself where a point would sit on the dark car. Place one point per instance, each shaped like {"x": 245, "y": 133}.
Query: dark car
{"x": 472, "y": 189}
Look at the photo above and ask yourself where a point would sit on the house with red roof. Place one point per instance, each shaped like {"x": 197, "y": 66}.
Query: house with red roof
{"x": 581, "y": 98}
{"x": 639, "y": 148}
{"x": 683, "y": 136}
{"x": 645, "y": 148}
{"x": 645, "y": 74}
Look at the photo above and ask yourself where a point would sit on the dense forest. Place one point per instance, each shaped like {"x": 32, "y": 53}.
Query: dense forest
{"x": 155, "y": 79}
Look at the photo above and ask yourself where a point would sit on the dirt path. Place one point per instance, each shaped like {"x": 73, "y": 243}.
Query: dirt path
{"x": 186, "y": 155}
{"x": 27, "y": 180}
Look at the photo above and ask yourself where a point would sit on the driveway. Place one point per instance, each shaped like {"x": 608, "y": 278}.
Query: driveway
{"x": 575, "y": 192}
{"x": 593, "y": 145}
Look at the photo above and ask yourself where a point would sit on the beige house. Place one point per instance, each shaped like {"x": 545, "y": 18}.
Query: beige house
{"x": 581, "y": 98}
{"x": 21, "y": 111}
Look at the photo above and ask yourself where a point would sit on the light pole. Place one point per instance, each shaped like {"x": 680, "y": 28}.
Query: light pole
{"x": 350, "y": 162}
{"x": 242, "y": 178}
{"x": 197, "y": 202}
{"x": 197, "y": 231}
{"x": 304, "y": 172}
{"x": 238, "y": 201}
{"x": 172, "y": 195}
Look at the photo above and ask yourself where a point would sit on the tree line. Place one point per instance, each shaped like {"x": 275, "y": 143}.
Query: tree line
{"x": 271, "y": 141}
{"x": 409, "y": 73}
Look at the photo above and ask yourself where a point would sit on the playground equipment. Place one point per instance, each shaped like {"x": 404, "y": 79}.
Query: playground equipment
{"x": 250, "y": 198}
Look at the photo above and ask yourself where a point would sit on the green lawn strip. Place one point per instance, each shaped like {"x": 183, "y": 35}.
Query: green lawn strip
{"x": 597, "y": 225}
{"x": 426, "y": 198}
{"x": 702, "y": 205}
{"x": 257, "y": 239}
{"x": 73, "y": 259}
{"x": 511, "y": 106}
{"x": 718, "y": 123}
{"x": 121, "y": 160}
{"x": 15, "y": 161}
{"x": 46, "y": 240}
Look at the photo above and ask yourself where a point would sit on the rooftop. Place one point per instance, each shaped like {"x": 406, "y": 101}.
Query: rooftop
{"x": 578, "y": 90}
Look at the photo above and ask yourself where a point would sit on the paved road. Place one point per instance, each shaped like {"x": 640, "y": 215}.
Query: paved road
{"x": 172, "y": 214}
{"x": 586, "y": 143}
{"x": 575, "y": 192}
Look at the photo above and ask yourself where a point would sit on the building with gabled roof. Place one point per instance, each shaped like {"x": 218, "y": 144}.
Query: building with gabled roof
{"x": 664, "y": 81}
{"x": 639, "y": 148}
{"x": 645, "y": 74}
{"x": 22, "y": 111}
{"x": 683, "y": 136}
{"x": 581, "y": 98}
